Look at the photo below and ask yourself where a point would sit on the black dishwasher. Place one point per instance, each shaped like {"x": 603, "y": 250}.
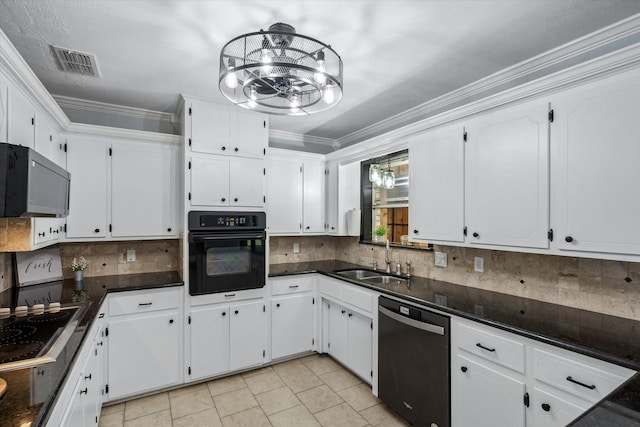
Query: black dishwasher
{"x": 413, "y": 363}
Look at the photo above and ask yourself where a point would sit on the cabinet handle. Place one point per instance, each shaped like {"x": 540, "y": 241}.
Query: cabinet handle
{"x": 476, "y": 235}
{"x": 293, "y": 286}
{"x": 41, "y": 234}
{"x": 463, "y": 369}
{"x": 224, "y": 148}
{"x": 83, "y": 391}
{"x": 235, "y": 312}
{"x": 546, "y": 407}
{"x": 229, "y": 295}
{"x": 568, "y": 239}
{"x": 278, "y": 305}
{"x": 87, "y": 377}
{"x": 97, "y": 230}
{"x": 142, "y": 304}
{"x": 99, "y": 343}
{"x": 223, "y": 199}
{"x": 415, "y": 231}
{"x": 485, "y": 348}
{"x": 235, "y": 149}
{"x": 590, "y": 387}
{"x": 41, "y": 372}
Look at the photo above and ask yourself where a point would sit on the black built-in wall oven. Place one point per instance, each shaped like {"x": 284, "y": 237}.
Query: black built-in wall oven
{"x": 226, "y": 251}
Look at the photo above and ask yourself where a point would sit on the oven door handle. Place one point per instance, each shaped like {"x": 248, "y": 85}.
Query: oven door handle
{"x": 227, "y": 236}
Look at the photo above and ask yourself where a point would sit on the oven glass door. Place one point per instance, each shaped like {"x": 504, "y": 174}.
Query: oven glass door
{"x": 222, "y": 262}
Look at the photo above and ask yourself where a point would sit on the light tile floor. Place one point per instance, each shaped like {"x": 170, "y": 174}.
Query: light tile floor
{"x": 310, "y": 391}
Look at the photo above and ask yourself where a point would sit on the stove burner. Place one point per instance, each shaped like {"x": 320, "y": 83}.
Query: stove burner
{"x": 14, "y": 331}
{"x": 20, "y": 350}
{"x": 48, "y": 317}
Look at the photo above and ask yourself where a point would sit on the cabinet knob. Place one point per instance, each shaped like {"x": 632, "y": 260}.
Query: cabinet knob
{"x": 236, "y": 312}
{"x": 463, "y": 369}
{"x": 568, "y": 239}
{"x": 83, "y": 391}
{"x": 41, "y": 234}
{"x": 224, "y": 199}
{"x": 235, "y": 199}
{"x": 307, "y": 227}
{"x": 170, "y": 320}
{"x": 224, "y": 148}
{"x": 169, "y": 229}
{"x": 224, "y": 313}
{"x": 87, "y": 377}
{"x": 350, "y": 314}
{"x": 97, "y": 230}
{"x": 546, "y": 407}
{"x": 235, "y": 149}
{"x": 415, "y": 231}
{"x": 476, "y": 235}
{"x": 278, "y": 305}
{"x": 343, "y": 311}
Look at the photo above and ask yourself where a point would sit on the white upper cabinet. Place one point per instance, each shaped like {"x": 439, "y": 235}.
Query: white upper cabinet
{"x": 284, "y": 195}
{"x": 4, "y": 108}
{"x": 88, "y": 163}
{"x": 143, "y": 200}
{"x": 436, "y": 190}
{"x": 596, "y": 166}
{"x": 217, "y": 129}
{"x": 331, "y": 197}
{"x": 21, "y": 119}
{"x": 313, "y": 197}
{"x": 507, "y": 182}
{"x": 246, "y": 182}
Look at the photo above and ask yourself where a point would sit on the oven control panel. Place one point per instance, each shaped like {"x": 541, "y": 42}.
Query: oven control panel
{"x": 200, "y": 220}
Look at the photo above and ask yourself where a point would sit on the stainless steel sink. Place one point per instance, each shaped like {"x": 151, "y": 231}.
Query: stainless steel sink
{"x": 359, "y": 274}
{"x": 373, "y": 277}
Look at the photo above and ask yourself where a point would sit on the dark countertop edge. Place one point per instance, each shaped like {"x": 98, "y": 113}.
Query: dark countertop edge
{"x": 90, "y": 316}
{"x": 505, "y": 327}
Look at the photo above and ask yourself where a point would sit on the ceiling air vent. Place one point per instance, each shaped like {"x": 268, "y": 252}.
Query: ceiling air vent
{"x": 77, "y": 62}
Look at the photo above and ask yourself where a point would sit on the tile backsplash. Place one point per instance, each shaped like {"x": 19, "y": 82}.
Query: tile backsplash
{"x": 611, "y": 287}
{"x": 108, "y": 258}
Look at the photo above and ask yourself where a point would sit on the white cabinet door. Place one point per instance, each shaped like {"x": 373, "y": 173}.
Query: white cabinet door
{"x": 209, "y": 341}
{"x": 21, "y": 119}
{"x": 92, "y": 395}
{"x": 210, "y": 128}
{"x": 88, "y": 162}
{"x": 44, "y": 136}
{"x": 484, "y": 397}
{"x": 291, "y": 325}
{"x": 359, "y": 345}
{"x": 209, "y": 181}
{"x": 596, "y": 170}
{"x": 313, "y": 197}
{"x": 436, "y": 190}
{"x": 507, "y": 190}
{"x": 246, "y": 182}
{"x": 331, "y": 198}
{"x": 249, "y": 134}
{"x": 144, "y": 353}
{"x": 4, "y": 109}
{"x": 247, "y": 335}
{"x": 338, "y": 332}
{"x": 143, "y": 201}
{"x": 550, "y": 410}
{"x": 284, "y": 195}
{"x": 73, "y": 416}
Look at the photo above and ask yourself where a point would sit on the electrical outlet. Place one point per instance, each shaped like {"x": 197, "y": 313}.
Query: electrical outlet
{"x": 478, "y": 264}
{"x": 441, "y": 259}
{"x": 296, "y": 248}
{"x": 131, "y": 255}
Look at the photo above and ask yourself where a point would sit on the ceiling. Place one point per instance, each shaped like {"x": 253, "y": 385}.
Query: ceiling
{"x": 397, "y": 53}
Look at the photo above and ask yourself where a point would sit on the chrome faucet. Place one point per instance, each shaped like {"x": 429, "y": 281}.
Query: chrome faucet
{"x": 398, "y": 269}
{"x": 386, "y": 258}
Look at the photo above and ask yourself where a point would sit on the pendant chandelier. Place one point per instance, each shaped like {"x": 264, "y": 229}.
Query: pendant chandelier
{"x": 379, "y": 178}
{"x": 280, "y": 72}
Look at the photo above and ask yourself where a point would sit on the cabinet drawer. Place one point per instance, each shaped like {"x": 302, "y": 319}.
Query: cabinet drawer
{"x": 289, "y": 285}
{"x": 357, "y": 297}
{"x": 492, "y": 346}
{"x": 133, "y": 302}
{"x": 229, "y": 296}
{"x": 590, "y": 379}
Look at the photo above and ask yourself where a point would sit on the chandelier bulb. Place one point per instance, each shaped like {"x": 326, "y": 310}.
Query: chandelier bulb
{"x": 328, "y": 95}
{"x": 295, "y": 103}
{"x": 265, "y": 59}
{"x": 231, "y": 80}
{"x": 253, "y": 96}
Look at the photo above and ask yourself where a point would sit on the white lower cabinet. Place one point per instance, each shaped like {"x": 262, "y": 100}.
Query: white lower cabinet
{"x": 485, "y": 397}
{"x": 226, "y": 337}
{"x": 145, "y": 341}
{"x": 291, "y": 325}
{"x": 491, "y": 385}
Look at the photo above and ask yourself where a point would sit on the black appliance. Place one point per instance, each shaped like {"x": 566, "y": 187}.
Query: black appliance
{"x": 31, "y": 184}
{"x": 413, "y": 363}
{"x": 226, "y": 251}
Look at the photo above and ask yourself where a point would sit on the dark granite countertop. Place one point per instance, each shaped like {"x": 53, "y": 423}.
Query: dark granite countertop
{"x": 30, "y": 397}
{"x": 610, "y": 338}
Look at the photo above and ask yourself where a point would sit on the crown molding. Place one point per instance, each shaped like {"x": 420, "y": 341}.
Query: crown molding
{"x": 16, "y": 70}
{"x": 609, "y": 64}
{"x": 566, "y": 56}
{"x": 301, "y": 140}
{"x": 113, "y": 109}
{"x": 107, "y": 131}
